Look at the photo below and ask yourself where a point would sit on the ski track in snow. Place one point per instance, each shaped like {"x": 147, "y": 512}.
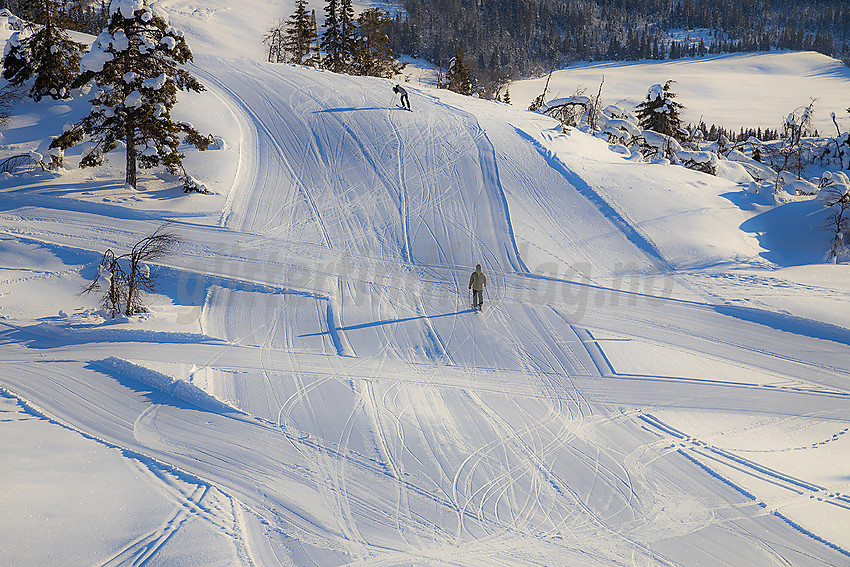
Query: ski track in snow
{"x": 386, "y": 424}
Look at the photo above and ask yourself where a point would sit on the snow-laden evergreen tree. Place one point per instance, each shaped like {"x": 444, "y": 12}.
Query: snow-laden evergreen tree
{"x": 330, "y": 43}
{"x": 44, "y": 52}
{"x": 135, "y": 65}
{"x": 374, "y": 56}
{"x": 338, "y": 40}
{"x": 659, "y": 111}
{"x": 299, "y": 35}
{"x": 458, "y": 76}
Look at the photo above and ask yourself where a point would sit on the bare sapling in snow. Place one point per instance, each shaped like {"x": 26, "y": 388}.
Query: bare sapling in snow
{"x": 842, "y": 141}
{"x": 792, "y": 153}
{"x": 540, "y": 100}
{"x": 23, "y": 163}
{"x": 9, "y": 95}
{"x": 570, "y": 111}
{"x": 125, "y": 279}
{"x": 135, "y": 66}
{"x": 835, "y": 195}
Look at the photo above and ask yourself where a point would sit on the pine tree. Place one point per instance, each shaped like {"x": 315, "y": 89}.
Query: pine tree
{"x": 347, "y": 38}
{"x": 299, "y": 35}
{"x": 331, "y": 43}
{"x": 374, "y": 56}
{"x": 659, "y": 112}
{"x": 458, "y": 77}
{"x": 44, "y": 51}
{"x": 134, "y": 64}
{"x": 507, "y": 97}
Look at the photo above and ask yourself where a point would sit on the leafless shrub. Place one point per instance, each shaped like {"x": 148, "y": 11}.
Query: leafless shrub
{"x": 127, "y": 277}
{"x": 21, "y": 163}
{"x": 9, "y": 95}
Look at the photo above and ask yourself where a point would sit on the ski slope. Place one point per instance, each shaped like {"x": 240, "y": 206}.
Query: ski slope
{"x": 311, "y": 387}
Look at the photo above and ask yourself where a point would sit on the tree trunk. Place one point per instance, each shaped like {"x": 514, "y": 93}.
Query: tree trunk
{"x": 131, "y": 155}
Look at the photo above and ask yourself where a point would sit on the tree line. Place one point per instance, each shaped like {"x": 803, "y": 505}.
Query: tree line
{"x": 358, "y": 45}
{"x": 508, "y": 38}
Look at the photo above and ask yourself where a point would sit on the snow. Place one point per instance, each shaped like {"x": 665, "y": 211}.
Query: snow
{"x": 736, "y": 91}
{"x": 133, "y": 100}
{"x": 659, "y": 375}
{"x": 127, "y": 8}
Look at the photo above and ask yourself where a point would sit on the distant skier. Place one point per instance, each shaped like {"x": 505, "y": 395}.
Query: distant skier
{"x": 477, "y": 283}
{"x": 405, "y": 101}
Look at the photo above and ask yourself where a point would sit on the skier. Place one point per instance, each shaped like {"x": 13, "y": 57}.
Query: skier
{"x": 405, "y": 101}
{"x": 477, "y": 283}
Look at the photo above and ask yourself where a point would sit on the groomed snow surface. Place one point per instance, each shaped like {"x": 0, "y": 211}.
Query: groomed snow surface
{"x": 659, "y": 375}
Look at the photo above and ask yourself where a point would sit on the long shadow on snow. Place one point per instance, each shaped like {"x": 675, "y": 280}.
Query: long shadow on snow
{"x": 789, "y": 233}
{"x": 385, "y": 322}
{"x": 585, "y": 190}
{"x": 349, "y": 109}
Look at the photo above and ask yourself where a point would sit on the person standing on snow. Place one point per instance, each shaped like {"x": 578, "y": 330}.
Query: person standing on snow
{"x": 405, "y": 101}
{"x": 477, "y": 283}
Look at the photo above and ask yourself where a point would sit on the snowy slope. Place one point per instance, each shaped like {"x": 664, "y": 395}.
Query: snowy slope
{"x": 311, "y": 387}
{"x": 746, "y": 90}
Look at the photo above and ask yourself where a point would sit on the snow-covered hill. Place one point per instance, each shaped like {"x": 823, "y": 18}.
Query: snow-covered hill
{"x": 652, "y": 381}
{"x": 745, "y": 90}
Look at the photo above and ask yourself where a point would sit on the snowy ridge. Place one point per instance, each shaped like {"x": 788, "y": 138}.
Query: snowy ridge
{"x": 176, "y": 387}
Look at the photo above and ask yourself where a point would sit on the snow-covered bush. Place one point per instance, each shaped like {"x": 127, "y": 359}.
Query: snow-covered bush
{"x": 705, "y": 162}
{"x": 655, "y": 145}
{"x": 570, "y": 111}
{"x": 192, "y": 185}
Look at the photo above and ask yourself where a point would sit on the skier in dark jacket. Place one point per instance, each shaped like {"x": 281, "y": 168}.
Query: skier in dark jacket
{"x": 477, "y": 283}
{"x": 405, "y": 101}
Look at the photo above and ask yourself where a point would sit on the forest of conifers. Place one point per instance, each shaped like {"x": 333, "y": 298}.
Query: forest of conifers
{"x": 508, "y": 38}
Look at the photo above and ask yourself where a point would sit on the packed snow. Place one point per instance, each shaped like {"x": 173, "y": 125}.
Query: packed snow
{"x": 659, "y": 375}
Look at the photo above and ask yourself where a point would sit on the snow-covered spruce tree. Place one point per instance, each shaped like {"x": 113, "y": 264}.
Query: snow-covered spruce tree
{"x": 43, "y": 51}
{"x": 374, "y": 56}
{"x": 659, "y": 111}
{"x": 347, "y": 39}
{"x": 134, "y": 64}
{"x": 458, "y": 77}
{"x": 338, "y": 42}
{"x": 330, "y": 42}
{"x": 299, "y": 35}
